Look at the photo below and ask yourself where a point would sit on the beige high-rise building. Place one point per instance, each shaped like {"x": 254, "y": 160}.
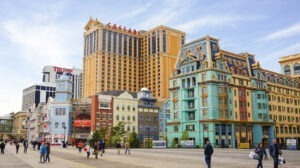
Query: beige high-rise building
{"x": 117, "y": 58}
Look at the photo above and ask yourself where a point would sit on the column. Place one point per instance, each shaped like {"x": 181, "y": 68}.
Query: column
{"x": 257, "y": 135}
{"x": 220, "y": 135}
{"x": 232, "y": 136}
{"x": 226, "y": 134}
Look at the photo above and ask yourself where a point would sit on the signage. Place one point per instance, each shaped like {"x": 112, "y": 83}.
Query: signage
{"x": 291, "y": 144}
{"x": 187, "y": 143}
{"x": 59, "y": 69}
{"x": 159, "y": 144}
{"x": 82, "y": 123}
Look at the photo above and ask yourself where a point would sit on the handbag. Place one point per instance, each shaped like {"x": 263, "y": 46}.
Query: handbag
{"x": 85, "y": 149}
{"x": 253, "y": 155}
{"x": 281, "y": 160}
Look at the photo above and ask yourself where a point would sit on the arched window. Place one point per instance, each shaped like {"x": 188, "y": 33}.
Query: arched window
{"x": 287, "y": 70}
{"x": 297, "y": 69}
{"x": 128, "y": 118}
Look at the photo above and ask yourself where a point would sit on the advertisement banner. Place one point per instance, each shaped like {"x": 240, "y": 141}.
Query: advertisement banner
{"x": 291, "y": 144}
{"x": 82, "y": 123}
{"x": 187, "y": 143}
{"x": 159, "y": 144}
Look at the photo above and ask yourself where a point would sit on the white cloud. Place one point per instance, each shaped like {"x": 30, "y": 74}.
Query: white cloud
{"x": 43, "y": 44}
{"x": 33, "y": 39}
{"x": 286, "y": 32}
{"x": 168, "y": 12}
{"x": 266, "y": 59}
{"x": 138, "y": 10}
{"x": 211, "y": 21}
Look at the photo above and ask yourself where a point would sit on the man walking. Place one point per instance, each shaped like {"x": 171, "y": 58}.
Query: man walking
{"x": 25, "y": 145}
{"x": 48, "y": 152}
{"x": 102, "y": 147}
{"x": 274, "y": 152}
{"x": 2, "y": 147}
{"x": 208, "y": 151}
{"x": 17, "y": 147}
{"x": 127, "y": 148}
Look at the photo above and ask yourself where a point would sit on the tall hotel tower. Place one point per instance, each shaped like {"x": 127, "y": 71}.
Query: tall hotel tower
{"x": 118, "y": 58}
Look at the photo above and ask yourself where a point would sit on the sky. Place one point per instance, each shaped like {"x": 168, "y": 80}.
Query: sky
{"x": 38, "y": 33}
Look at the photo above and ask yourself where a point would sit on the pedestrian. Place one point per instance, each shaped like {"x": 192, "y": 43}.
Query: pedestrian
{"x": 2, "y": 147}
{"x": 208, "y": 151}
{"x": 87, "y": 148}
{"x": 274, "y": 152}
{"x": 79, "y": 145}
{"x": 39, "y": 145}
{"x": 118, "y": 147}
{"x": 102, "y": 147}
{"x": 34, "y": 145}
{"x": 260, "y": 150}
{"x": 127, "y": 148}
{"x": 48, "y": 152}
{"x": 96, "y": 149}
{"x": 25, "y": 145}
{"x": 17, "y": 147}
{"x": 43, "y": 152}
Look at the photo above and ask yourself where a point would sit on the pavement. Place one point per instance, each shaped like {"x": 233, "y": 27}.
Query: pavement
{"x": 140, "y": 158}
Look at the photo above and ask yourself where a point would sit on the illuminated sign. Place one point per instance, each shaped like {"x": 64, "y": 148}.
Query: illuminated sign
{"x": 82, "y": 123}
{"x": 59, "y": 69}
{"x": 115, "y": 27}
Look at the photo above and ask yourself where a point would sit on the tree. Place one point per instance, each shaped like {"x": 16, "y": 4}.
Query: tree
{"x": 97, "y": 136}
{"x": 185, "y": 135}
{"x": 116, "y": 133}
{"x": 134, "y": 140}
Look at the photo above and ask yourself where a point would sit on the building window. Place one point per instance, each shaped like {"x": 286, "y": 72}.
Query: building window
{"x": 56, "y": 124}
{"x": 104, "y": 105}
{"x": 140, "y": 118}
{"x": 133, "y": 118}
{"x": 204, "y": 101}
{"x": 205, "y": 113}
{"x": 175, "y": 128}
{"x": 205, "y": 127}
{"x": 117, "y": 117}
{"x": 63, "y": 124}
{"x": 128, "y": 118}
{"x": 190, "y": 127}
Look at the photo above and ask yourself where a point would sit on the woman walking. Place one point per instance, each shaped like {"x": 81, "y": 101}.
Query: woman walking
{"x": 260, "y": 150}
{"x": 87, "y": 148}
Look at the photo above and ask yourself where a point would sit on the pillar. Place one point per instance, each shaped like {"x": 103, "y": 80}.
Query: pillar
{"x": 226, "y": 133}
{"x": 257, "y": 135}
{"x": 220, "y": 135}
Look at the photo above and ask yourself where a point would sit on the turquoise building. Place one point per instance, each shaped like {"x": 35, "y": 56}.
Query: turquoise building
{"x": 218, "y": 96}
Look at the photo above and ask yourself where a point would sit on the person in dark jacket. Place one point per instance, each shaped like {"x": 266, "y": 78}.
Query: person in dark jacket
{"x": 260, "y": 150}
{"x": 96, "y": 150}
{"x": 17, "y": 147}
{"x": 118, "y": 147}
{"x": 48, "y": 152}
{"x": 208, "y": 151}
{"x": 2, "y": 146}
{"x": 25, "y": 145}
{"x": 274, "y": 152}
{"x": 102, "y": 147}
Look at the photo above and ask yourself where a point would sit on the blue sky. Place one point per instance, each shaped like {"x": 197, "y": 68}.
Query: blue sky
{"x": 38, "y": 33}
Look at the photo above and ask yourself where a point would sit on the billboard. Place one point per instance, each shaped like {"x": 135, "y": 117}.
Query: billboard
{"x": 159, "y": 144}
{"x": 82, "y": 123}
{"x": 291, "y": 144}
{"x": 187, "y": 143}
